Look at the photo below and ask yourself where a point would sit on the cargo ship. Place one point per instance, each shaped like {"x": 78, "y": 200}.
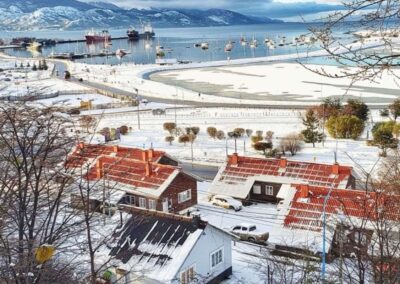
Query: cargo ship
{"x": 132, "y": 34}
{"x": 94, "y": 36}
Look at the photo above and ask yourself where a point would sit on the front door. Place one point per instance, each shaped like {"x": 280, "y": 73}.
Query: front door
{"x": 165, "y": 205}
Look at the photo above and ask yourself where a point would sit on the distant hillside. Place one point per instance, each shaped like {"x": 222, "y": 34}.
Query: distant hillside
{"x": 72, "y": 14}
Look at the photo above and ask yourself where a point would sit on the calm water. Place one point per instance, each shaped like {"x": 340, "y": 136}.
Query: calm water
{"x": 178, "y": 43}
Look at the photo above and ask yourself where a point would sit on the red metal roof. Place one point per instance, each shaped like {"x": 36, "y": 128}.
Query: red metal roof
{"x": 130, "y": 172}
{"x": 86, "y": 152}
{"x": 239, "y": 168}
{"x": 306, "y": 212}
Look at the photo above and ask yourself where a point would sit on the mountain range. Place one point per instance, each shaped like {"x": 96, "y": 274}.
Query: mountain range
{"x": 72, "y": 14}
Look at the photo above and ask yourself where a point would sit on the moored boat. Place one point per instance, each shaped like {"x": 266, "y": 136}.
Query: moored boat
{"x": 94, "y": 36}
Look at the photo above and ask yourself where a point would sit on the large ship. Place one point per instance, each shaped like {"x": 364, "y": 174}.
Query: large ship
{"x": 132, "y": 34}
{"x": 94, "y": 36}
{"x": 147, "y": 32}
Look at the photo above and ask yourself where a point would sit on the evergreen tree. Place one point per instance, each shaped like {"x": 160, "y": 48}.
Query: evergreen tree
{"x": 311, "y": 133}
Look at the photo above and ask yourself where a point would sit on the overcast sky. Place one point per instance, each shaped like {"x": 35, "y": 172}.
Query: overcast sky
{"x": 268, "y": 8}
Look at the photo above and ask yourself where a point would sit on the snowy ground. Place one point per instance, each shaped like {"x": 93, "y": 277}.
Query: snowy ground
{"x": 208, "y": 150}
{"x": 266, "y": 82}
{"x": 75, "y": 100}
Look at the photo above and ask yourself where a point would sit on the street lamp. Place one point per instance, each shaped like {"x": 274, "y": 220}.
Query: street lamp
{"x": 138, "y": 107}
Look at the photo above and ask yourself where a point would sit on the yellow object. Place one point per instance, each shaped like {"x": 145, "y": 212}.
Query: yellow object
{"x": 86, "y": 104}
{"x": 44, "y": 253}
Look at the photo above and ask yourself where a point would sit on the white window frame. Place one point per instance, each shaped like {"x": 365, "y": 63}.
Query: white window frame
{"x": 216, "y": 252}
{"x": 152, "y": 204}
{"x": 184, "y": 196}
{"x": 257, "y": 189}
{"x": 269, "y": 190}
{"x": 142, "y": 202}
{"x": 131, "y": 198}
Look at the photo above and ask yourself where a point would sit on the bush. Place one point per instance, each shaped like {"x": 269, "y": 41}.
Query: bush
{"x": 123, "y": 129}
{"x": 382, "y": 133}
{"x": 220, "y": 135}
{"x": 169, "y": 139}
{"x": 256, "y": 139}
{"x": 239, "y": 131}
{"x": 259, "y": 133}
{"x": 263, "y": 146}
{"x": 269, "y": 135}
{"x": 345, "y": 126}
{"x": 212, "y": 132}
{"x": 394, "y": 109}
{"x": 356, "y": 108}
{"x": 184, "y": 139}
{"x": 249, "y": 132}
{"x": 169, "y": 126}
{"x": 195, "y": 130}
{"x": 291, "y": 143}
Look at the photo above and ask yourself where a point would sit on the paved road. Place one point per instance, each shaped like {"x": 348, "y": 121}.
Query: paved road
{"x": 203, "y": 171}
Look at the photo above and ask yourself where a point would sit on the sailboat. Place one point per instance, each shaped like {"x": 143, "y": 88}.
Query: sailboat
{"x": 253, "y": 43}
{"x": 204, "y": 45}
{"x": 229, "y": 46}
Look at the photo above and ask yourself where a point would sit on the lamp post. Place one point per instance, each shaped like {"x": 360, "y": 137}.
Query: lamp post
{"x": 138, "y": 107}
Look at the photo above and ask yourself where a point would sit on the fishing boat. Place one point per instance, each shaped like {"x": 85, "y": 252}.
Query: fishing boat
{"x": 132, "y": 34}
{"x": 243, "y": 41}
{"x": 94, "y": 36}
{"x": 253, "y": 43}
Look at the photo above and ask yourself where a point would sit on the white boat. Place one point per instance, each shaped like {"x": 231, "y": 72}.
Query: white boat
{"x": 253, "y": 43}
{"x": 204, "y": 45}
{"x": 229, "y": 47}
{"x": 121, "y": 52}
{"x": 35, "y": 45}
{"x": 243, "y": 41}
{"x": 147, "y": 45}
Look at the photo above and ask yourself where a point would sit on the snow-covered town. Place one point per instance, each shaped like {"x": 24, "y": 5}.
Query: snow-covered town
{"x": 274, "y": 168}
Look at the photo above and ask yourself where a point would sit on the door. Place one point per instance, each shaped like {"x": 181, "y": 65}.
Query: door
{"x": 165, "y": 205}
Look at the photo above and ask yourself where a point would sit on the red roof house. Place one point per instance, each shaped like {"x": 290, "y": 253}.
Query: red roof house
{"x": 261, "y": 179}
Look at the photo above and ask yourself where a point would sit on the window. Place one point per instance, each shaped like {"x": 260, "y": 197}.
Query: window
{"x": 257, "y": 189}
{"x": 129, "y": 199}
{"x": 237, "y": 228}
{"x": 269, "y": 190}
{"x": 152, "y": 204}
{"x": 188, "y": 275}
{"x": 360, "y": 238}
{"x": 142, "y": 202}
{"x": 252, "y": 228}
{"x": 184, "y": 196}
{"x": 217, "y": 258}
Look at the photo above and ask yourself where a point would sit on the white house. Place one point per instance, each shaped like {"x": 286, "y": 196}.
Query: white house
{"x": 157, "y": 247}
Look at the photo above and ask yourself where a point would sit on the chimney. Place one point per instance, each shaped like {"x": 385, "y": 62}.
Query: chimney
{"x": 335, "y": 169}
{"x": 151, "y": 154}
{"x": 197, "y": 222}
{"x": 304, "y": 190}
{"x": 115, "y": 149}
{"x": 99, "y": 168}
{"x": 145, "y": 156}
{"x": 234, "y": 159}
{"x": 283, "y": 163}
{"x": 149, "y": 169}
{"x": 81, "y": 145}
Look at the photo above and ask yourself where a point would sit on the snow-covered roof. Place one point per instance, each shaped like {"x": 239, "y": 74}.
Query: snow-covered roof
{"x": 87, "y": 152}
{"x": 239, "y": 174}
{"x": 155, "y": 245}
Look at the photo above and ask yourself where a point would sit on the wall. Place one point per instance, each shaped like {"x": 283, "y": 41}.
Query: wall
{"x": 263, "y": 197}
{"x": 210, "y": 241}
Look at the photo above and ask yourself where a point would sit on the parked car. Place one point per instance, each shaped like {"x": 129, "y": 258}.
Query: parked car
{"x": 250, "y": 233}
{"x": 226, "y": 202}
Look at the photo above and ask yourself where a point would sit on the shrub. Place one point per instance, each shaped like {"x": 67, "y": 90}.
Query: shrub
{"x": 394, "y": 109}
{"x": 220, "y": 135}
{"x": 239, "y": 131}
{"x": 292, "y": 143}
{"x": 249, "y": 132}
{"x": 184, "y": 139}
{"x": 123, "y": 129}
{"x": 259, "y": 133}
{"x": 356, "y": 108}
{"x": 169, "y": 126}
{"x": 345, "y": 126}
{"x": 256, "y": 139}
{"x": 263, "y": 146}
{"x": 169, "y": 139}
{"x": 212, "y": 132}
{"x": 195, "y": 130}
{"x": 269, "y": 135}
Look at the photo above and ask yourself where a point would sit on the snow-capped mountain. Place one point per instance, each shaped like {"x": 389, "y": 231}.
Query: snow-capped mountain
{"x": 71, "y": 14}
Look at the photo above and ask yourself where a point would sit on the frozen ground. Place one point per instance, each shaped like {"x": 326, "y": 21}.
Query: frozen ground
{"x": 75, "y": 100}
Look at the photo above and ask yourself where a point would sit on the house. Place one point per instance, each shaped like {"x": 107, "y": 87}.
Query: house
{"x": 259, "y": 179}
{"x": 119, "y": 176}
{"x": 351, "y": 218}
{"x": 157, "y": 247}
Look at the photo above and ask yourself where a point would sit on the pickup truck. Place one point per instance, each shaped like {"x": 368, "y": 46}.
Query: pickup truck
{"x": 249, "y": 232}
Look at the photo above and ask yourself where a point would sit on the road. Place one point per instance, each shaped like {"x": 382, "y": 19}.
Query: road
{"x": 203, "y": 171}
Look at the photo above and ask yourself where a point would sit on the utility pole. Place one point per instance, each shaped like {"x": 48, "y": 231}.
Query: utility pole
{"x": 226, "y": 146}
{"x": 244, "y": 147}
{"x": 191, "y": 150}
{"x": 138, "y": 107}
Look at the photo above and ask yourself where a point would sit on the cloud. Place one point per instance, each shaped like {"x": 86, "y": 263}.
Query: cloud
{"x": 268, "y": 8}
